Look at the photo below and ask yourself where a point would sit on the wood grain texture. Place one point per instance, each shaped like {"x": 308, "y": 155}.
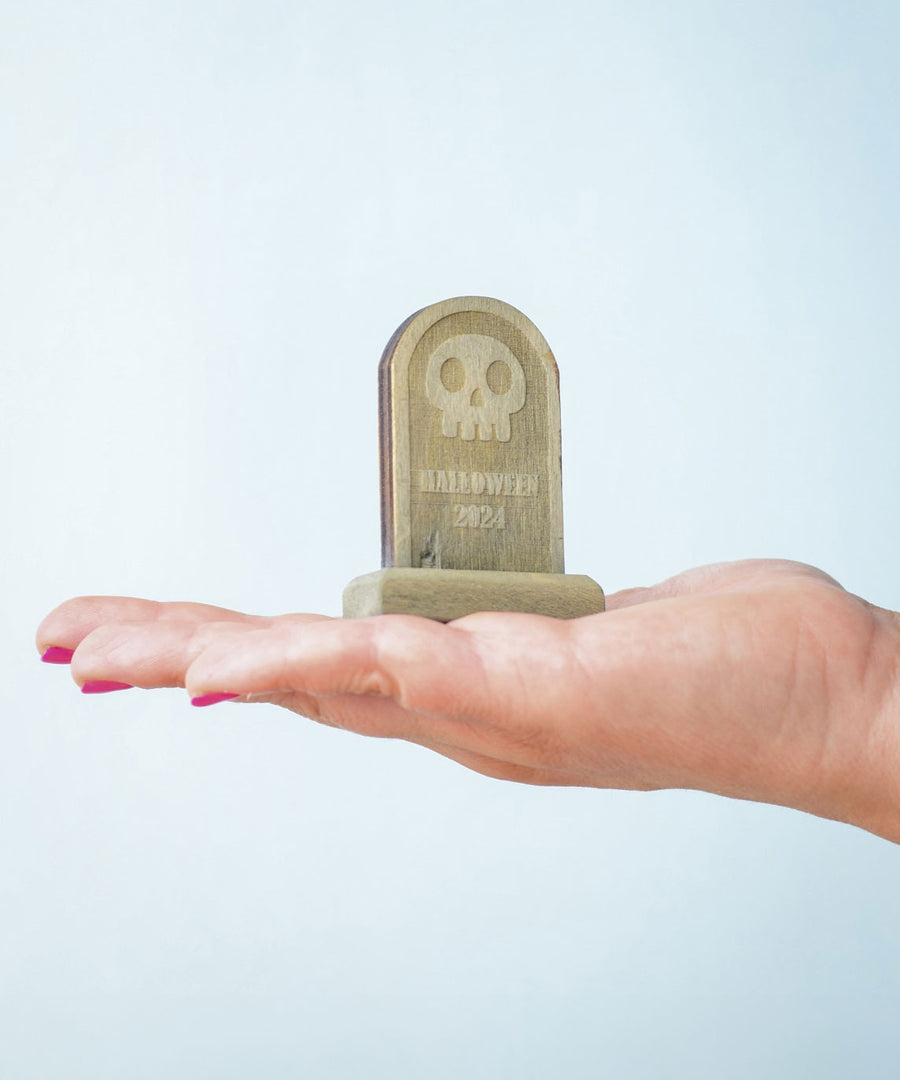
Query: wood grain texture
{"x": 450, "y": 594}
{"x": 471, "y": 479}
{"x": 470, "y": 442}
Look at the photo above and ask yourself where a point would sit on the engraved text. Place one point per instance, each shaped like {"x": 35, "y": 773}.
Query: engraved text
{"x": 479, "y": 517}
{"x": 455, "y": 482}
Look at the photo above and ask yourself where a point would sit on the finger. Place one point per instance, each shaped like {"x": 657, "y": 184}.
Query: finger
{"x": 145, "y": 654}
{"x": 154, "y": 654}
{"x": 491, "y": 690}
{"x": 66, "y": 626}
{"x": 356, "y": 656}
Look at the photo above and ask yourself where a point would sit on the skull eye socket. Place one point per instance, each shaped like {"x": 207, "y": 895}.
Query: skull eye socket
{"x": 453, "y": 374}
{"x": 499, "y": 377}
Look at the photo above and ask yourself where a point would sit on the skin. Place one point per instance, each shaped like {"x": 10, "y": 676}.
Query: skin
{"x": 760, "y": 680}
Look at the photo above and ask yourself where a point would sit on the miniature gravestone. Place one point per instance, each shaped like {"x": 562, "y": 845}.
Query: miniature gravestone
{"x": 471, "y": 483}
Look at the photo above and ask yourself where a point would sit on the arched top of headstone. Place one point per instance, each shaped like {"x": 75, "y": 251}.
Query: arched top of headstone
{"x": 470, "y": 441}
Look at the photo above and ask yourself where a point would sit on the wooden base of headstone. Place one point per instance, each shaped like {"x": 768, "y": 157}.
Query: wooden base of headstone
{"x": 450, "y": 594}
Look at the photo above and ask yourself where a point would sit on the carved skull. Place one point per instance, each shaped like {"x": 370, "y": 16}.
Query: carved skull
{"x": 475, "y": 381}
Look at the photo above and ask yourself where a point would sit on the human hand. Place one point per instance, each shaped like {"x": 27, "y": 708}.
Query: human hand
{"x": 760, "y": 680}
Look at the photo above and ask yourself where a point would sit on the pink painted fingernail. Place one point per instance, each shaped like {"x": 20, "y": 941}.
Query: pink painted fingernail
{"x": 104, "y": 686}
{"x": 212, "y": 699}
{"x": 56, "y": 654}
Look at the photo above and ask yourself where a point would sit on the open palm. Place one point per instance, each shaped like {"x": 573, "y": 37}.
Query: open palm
{"x": 761, "y": 680}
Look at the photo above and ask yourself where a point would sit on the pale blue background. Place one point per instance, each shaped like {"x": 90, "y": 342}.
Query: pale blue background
{"x": 213, "y": 217}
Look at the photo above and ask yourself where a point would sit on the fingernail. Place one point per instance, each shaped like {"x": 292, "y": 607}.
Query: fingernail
{"x": 212, "y": 699}
{"x": 104, "y": 686}
{"x": 56, "y": 654}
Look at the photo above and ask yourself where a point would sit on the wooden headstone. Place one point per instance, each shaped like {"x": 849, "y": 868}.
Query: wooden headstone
{"x": 471, "y": 484}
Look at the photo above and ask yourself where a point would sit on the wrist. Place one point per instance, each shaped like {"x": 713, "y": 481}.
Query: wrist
{"x": 869, "y": 796}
